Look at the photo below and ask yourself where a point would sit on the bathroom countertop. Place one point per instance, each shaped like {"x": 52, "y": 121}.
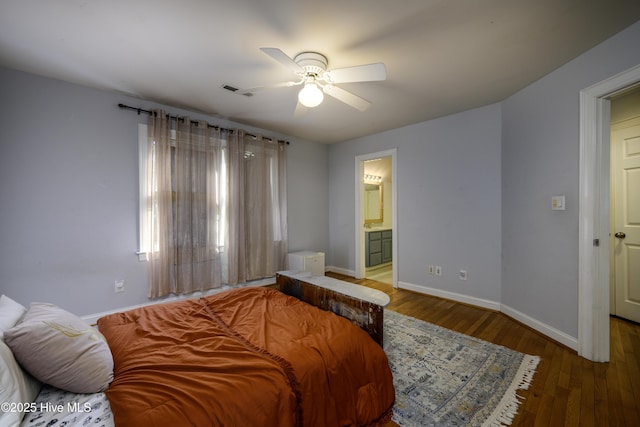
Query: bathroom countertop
{"x": 377, "y": 229}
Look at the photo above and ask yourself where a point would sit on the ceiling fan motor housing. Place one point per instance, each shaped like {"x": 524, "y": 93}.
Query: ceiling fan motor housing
{"x": 313, "y": 63}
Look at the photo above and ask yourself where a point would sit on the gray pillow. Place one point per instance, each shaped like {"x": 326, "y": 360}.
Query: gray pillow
{"x": 60, "y": 349}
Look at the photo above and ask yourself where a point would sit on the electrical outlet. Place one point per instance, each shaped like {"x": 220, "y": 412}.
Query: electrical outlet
{"x": 431, "y": 270}
{"x": 119, "y": 286}
{"x": 438, "y": 270}
{"x": 463, "y": 275}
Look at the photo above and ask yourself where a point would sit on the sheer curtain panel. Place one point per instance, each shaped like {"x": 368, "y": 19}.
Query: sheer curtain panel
{"x": 216, "y": 206}
{"x": 256, "y": 208}
{"x": 159, "y": 209}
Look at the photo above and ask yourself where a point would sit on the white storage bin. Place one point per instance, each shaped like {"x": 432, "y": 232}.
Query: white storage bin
{"x": 312, "y": 262}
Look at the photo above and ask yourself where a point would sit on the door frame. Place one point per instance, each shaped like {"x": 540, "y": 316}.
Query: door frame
{"x": 594, "y": 215}
{"x": 359, "y": 211}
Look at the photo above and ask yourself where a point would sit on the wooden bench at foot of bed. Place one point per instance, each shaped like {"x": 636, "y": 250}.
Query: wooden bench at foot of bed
{"x": 361, "y": 305}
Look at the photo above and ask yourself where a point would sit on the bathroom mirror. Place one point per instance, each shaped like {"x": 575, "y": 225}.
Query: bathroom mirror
{"x": 373, "y": 203}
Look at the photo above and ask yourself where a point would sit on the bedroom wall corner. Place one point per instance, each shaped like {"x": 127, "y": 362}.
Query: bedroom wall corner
{"x": 69, "y": 188}
{"x": 540, "y": 159}
{"x": 69, "y": 191}
{"x": 308, "y": 197}
{"x": 449, "y": 207}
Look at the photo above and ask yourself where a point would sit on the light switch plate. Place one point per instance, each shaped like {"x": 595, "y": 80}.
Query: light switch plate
{"x": 119, "y": 286}
{"x": 557, "y": 203}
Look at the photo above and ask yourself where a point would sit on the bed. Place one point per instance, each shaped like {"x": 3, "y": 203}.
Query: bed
{"x": 251, "y": 356}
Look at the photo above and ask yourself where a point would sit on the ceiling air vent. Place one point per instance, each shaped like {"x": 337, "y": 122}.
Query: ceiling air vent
{"x": 235, "y": 89}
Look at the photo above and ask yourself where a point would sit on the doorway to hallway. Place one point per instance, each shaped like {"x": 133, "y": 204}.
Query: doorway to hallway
{"x": 625, "y": 205}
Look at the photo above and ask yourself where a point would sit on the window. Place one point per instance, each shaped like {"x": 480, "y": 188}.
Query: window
{"x": 212, "y": 206}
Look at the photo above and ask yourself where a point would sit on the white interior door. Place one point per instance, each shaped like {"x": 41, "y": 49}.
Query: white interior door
{"x": 625, "y": 144}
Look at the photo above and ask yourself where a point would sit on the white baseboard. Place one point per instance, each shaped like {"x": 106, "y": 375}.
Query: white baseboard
{"x": 339, "y": 270}
{"x": 543, "y": 328}
{"x": 491, "y": 305}
{"x": 529, "y": 321}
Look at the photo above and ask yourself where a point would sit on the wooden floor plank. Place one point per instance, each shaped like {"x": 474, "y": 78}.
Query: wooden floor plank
{"x": 600, "y": 399}
{"x": 566, "y": 390}
{"x": 572, "y": 412}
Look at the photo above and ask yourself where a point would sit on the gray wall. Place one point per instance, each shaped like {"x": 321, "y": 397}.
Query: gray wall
{"x": 541, "y": 158}
{"x": 474, "y": 192}
{"x": 69, "y": 194}
{"x": 475, "y": 188}
{"x": 448, "y": 192}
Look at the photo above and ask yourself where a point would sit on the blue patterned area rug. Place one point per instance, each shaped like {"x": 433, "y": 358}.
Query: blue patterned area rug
{"x": 444, "y": 378}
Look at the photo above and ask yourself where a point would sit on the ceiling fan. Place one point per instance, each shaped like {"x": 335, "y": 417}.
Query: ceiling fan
{"x": 312, "y": 72}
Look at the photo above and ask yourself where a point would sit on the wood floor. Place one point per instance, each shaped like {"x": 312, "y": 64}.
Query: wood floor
{"x": 567, "y": 390}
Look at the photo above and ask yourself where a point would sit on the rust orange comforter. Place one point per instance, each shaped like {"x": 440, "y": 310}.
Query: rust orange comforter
{"x": 246, "y": 357}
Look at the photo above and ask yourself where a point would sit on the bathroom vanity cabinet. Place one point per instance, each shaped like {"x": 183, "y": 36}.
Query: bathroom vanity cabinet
{"x": 378, "y": 247}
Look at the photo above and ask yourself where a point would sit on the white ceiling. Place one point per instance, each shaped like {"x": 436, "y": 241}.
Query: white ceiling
{"x": 442, "y": 56}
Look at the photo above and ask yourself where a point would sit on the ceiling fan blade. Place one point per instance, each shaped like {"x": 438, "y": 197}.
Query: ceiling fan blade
{"x": 347, "y": 97}
{"x": 359, "y": 73}
{"x": 273, "y": 86}
{"x": 283, "y": 59}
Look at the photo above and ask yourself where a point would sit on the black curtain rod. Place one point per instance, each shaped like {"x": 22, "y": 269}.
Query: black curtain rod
{"x": 142, "y": 110}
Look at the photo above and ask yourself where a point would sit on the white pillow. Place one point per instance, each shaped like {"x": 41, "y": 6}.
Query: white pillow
{"x": 16, "y": 387}
{"x": 10, "y": 313}
{"x": 62, "y": 350}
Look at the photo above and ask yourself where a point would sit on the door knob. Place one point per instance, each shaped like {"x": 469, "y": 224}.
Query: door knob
{"x": 620, "y": 235}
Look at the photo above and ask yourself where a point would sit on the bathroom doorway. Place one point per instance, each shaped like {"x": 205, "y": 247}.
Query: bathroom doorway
{"x": 376, "y": 224}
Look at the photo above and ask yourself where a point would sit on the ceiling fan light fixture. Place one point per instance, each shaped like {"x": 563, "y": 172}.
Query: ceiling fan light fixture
{"x": 311, "y": 70}
{"x": 310, "y": 95}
